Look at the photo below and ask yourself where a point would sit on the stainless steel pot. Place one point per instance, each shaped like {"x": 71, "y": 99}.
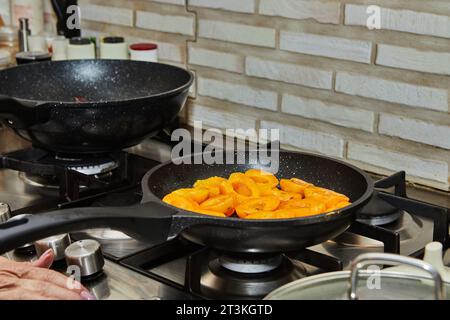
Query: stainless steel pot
{"x": 370, "y": 284}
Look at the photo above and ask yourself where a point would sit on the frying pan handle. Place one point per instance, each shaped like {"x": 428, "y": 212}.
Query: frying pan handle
{"x": 150, "y": 221}
{"x": 18, "y": 114}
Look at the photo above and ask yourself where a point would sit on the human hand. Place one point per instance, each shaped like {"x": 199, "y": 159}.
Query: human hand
{"x": 33, "y": 281}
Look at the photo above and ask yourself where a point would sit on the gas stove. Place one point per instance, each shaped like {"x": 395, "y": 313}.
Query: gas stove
{"x": 33, "y": 181}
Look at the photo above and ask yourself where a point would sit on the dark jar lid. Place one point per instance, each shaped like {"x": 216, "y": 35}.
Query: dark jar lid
{"x": 79, "y": 41}
{"x": 113, "y": 40}
{"x": 32, "y": 56}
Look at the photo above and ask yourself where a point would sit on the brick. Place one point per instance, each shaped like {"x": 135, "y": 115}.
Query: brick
{"x": 325, "y": 12}
{"x": 177, "y": 2}
{"x": 396, "y": 161}
{"x": 170, "y": 51}
{"x": 216, "y": 59}
{"x": 290, "y": 73}
{"x": 165, "y": 23}
{"x": 401, "y": 20}
{"x": 392, "y": 91}
{"x": 328, "y": 112}
{"x": 235, "y": 32}
{"x": 415, "y": 130}
{"x": 244, "y": 6}
{"x": 326, "y": 46}
{"x": 238, "y": 93}
{"x": 215, "y": 118}
{"x": 106, "y": 14}
{"x": 309, "y": 140}
{"x": 413, "y": 59}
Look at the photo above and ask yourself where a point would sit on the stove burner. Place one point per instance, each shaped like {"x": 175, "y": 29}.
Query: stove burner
{"x": 243, "y": 265}
{"x": 99, "y": 167}
{"x": 89, "y": 165}
{"x": 248, "y": 278}
{"x": 378, "y": 212}
{"x": 410, "y": 229}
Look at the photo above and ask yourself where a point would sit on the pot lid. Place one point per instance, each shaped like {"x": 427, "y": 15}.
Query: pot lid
{"x": 370, "y": 284}
{"x": 335, "y": 286}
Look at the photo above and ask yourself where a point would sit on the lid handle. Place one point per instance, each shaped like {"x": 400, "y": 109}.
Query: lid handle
{"x": 392, "y": 259}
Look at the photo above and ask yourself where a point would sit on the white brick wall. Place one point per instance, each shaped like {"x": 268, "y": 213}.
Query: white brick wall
{"x": 415, "y": 130}
{"x": 396, "y": 161}
{"x": 326, "y": 46}
{"x": 218, "y": 118}
{"x": 98, "y": 13}
{"x": 237, "y": 93}
{"x": 286, "y": 72}
{"x": 401, "y": 20}
{"x": 328, "y": 112}
{"x": 414, "y": 59}
{"x": 245, "y": 6}
{"x": 325, "y": 12}
{"x": 307, "y": 139}
{"x": 392, "y": 91}
{"x": 235, "y": 32}
{"x": 165, "y": 23}
{"x": 216, "y": 59}
{"x": 262, "y": 62}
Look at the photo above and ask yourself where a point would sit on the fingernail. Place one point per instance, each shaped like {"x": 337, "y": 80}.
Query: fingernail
{"x": 47, "y": 253}
{"x": 86, "y": 295}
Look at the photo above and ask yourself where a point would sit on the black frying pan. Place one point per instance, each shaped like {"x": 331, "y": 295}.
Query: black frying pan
{"x": 157, "y": 221}
{"x": 91, "y": 106}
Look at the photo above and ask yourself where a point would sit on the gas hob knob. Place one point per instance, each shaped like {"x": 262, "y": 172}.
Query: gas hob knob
{"x": 57, "y": 243}
{"x": 87, "y": 256}
{"x": 5, "y": 212}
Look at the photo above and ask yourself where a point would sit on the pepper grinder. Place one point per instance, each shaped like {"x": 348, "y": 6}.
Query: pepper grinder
{"x": 24, "y": 33}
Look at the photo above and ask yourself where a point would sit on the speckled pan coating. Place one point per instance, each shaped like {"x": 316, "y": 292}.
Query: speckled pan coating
{"x": 126, "y": 101}
{"x": 264, "y": 236}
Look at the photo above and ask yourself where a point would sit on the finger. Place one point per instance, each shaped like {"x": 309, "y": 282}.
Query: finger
{"x": 48, "y": 289}
{"x": 45, "y": 260}
{"x": 55, "y": 278}
{"x": 18, "y": 294}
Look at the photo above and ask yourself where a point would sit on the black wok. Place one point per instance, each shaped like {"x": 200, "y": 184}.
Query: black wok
{"x": 156, "y": 221}
{"x": 91, "y": 106}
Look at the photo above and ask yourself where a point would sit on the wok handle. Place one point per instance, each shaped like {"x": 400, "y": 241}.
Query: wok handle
{"x": 18, "y": 114}
{"x": 150, "y": 221}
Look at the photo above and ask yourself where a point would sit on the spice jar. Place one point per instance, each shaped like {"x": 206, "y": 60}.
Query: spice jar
{"x": 113, "y": 48}
{"x": 80, "y": 48}
{"x": 144, "y": 52}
